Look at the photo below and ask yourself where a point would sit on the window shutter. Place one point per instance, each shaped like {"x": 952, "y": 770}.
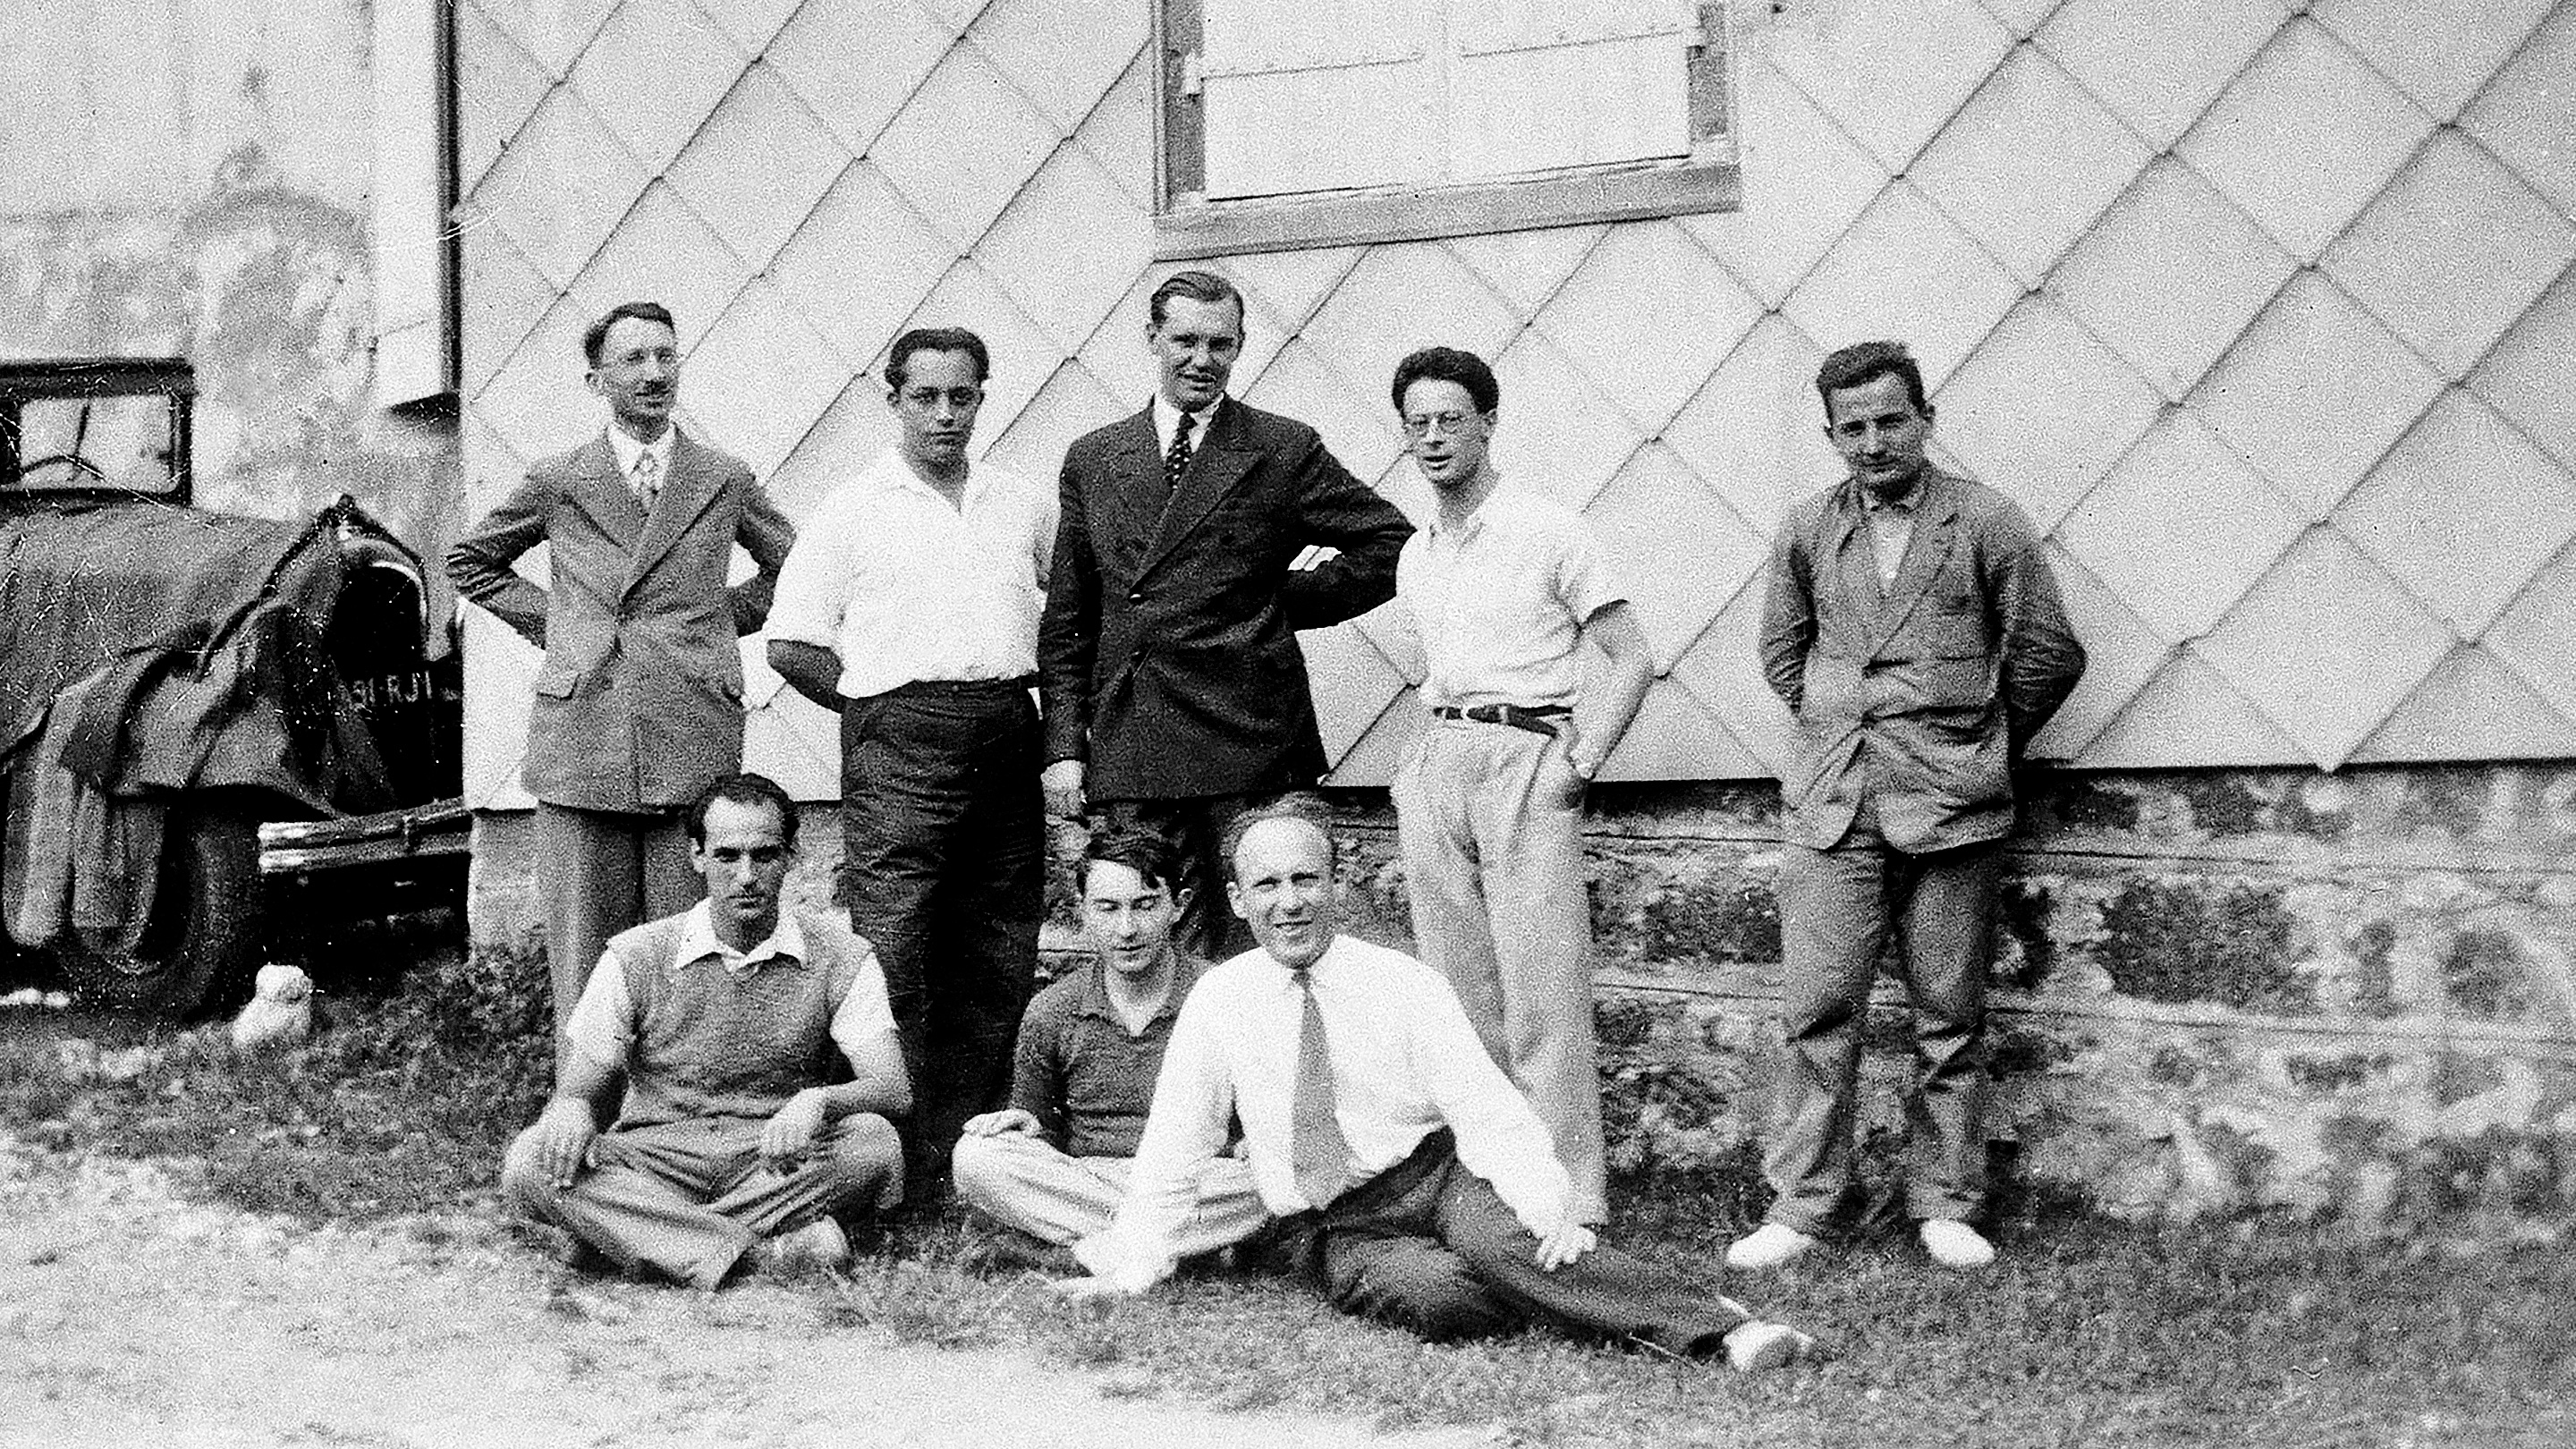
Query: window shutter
{"x": 409, "y": 252}
{"x": 1539, "y": 85}
{"x": 1318, "y": 95}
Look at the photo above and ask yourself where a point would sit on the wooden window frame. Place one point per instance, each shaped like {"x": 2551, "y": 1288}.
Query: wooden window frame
{"x": 1187, "y": 226}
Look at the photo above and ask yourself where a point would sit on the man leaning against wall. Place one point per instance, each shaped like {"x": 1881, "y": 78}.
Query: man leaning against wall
{"x": 1913, "y": 627}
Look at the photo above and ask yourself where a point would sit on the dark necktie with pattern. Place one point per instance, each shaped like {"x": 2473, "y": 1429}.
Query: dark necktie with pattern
{"x": 1177, "y": 461}
{"x": 1318, "y": 1155}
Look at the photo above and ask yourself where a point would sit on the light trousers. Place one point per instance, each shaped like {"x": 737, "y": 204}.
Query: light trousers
{"x": 1837, "y": 908}
{"x": 1025, "y": 1183}
{"x": 1493, "y": 867}
{"x": 685, "y": 1199}
{"x": 601, "y": 872}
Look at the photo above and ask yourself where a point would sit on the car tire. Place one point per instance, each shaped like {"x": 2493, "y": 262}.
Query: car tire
{"x": 202, "y": 943}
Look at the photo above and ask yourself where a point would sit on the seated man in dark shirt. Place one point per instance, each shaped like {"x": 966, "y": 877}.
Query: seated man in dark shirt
{"x": 1054, "y": 1163}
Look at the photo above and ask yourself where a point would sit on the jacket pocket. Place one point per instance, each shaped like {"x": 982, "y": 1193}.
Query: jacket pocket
{"x": 559, "y": 681}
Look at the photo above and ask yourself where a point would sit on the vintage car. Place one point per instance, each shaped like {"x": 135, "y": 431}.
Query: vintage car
{"x": 173, "y": 680}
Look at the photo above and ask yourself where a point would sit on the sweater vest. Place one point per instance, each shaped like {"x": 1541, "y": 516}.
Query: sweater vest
{"x": 709, "y": 1043}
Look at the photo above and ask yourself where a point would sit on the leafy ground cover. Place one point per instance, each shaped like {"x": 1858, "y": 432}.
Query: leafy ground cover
{"x": 2088, "y": 1332}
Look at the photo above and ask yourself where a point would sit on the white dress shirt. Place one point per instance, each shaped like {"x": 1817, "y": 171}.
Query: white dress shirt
{"x": 907, "y": 586}
{"x": 1168, "y": 417}
{"x": 1500, "y": 601}
{"x": 1405, "y": 1063}
{"x": 623, "y": 446}
{"x": 603, "y": 1022}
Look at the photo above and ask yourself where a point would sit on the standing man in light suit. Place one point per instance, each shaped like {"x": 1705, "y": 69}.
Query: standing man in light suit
{"x": 1914, "y": 628}
{"x": 639, "y": 702}
{"x": 1174, "y": 688}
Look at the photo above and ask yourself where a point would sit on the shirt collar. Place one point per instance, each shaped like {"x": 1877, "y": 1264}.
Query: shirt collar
{"x": 1168, "y": 417}
{"x": 891, "y": 471}
{"x": 1475, "y": 523}
{"x": 622, "y": 443}
{"x": 786, "y": 943}
{"x": 1288, "y": 979}
{"x": 1095, "y": 991}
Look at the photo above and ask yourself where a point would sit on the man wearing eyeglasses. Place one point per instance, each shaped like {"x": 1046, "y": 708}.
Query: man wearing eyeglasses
{"x": 1502, "y": 589}
{"x": 910, "y": 608}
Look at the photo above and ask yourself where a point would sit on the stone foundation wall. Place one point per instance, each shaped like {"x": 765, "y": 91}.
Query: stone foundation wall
{"x": 2351, "y": 996}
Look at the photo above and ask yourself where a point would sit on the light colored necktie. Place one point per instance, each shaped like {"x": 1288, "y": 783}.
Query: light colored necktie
{"x": 1177, "y": 461}
{"x": 648, "y": 480}
{"x": 1318, "y": 1155}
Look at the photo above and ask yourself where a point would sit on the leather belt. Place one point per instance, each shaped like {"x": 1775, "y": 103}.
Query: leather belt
{"x": 965, "y": 688}
{"x": 1536, "y": 721}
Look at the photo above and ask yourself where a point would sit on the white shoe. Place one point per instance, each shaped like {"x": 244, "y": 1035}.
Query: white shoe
{"x": 1953, "y": 1244}
{"x": 1768, "y": 1246}
{"x": 1755, "y": 1346}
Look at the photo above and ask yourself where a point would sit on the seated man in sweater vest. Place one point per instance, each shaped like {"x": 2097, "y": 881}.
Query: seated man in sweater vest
{"x": 729, "y": 1149}
{"x": 1053, "y": 1163}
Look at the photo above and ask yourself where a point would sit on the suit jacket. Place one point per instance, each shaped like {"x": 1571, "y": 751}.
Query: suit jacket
{"x": 1924, "y": 692}
{"x": 1167, "y": 657}
{"x": 639, "y": 702}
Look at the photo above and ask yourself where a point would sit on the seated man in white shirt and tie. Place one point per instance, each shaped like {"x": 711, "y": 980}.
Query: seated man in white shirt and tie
{"x": 1372, "y": 1116}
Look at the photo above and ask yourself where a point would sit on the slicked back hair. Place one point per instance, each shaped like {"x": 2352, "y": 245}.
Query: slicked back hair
{"x": 595, "y": 336}
{"x": 1296, "y": 805}
{"x": 743, "y": 789}
{"x": 1449, "y": 364}
{"x": 1865, "y": 362}
{"x": 1198, "y": 286}
{"x": 935, "y": 339}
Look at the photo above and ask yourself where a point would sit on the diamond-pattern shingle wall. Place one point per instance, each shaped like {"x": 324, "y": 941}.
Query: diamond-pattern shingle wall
{"x": 2260, "y": 310}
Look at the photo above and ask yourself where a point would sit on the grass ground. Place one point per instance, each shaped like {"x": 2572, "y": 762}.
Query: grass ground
{"x": 2086, "y": 1333}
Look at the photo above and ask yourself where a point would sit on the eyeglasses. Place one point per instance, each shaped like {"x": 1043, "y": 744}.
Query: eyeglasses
{"x": 1446, "y": 424}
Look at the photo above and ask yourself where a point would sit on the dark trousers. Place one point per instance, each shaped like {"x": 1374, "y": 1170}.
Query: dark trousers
{"x": 1837, "y": 908}
{"x": 943, "y": 873}
{"x": 1430, "y": 1246}
{"x": 1196, "y": 825}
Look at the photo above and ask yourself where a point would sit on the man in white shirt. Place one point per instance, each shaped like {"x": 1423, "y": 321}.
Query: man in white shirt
{"x": 1501, "y": 590}
{"x": 910, "y": 607}
{"x": 1372, "y": 1118}
{"x": 729, "y": 1146}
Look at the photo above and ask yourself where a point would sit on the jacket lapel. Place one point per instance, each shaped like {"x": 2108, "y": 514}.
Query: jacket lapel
{"x": 1219, "y": 464}
{"x": 685, "y": 494}
{"x": 1854, "y": 565}
{"x": 1936, "y": 533}
{"x": 602, "y": 492}
{"x": 1134, "y": 490}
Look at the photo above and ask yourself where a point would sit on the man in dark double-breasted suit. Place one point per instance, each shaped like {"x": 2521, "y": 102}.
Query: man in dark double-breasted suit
{"x": 639, "y": 702}
{"x": 1173, "y": 686}
{"x": 1913, "y": 626}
